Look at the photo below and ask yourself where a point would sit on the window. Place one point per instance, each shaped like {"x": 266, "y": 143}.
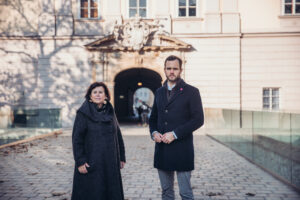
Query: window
{"x": 186, "y": 8}
{"x": 291, "y": 7}
{"x": 137, "y": 7}
{"x": 271, "y": 98}
{"x": 4, "y": 2}
{"x": 89, "y": 9}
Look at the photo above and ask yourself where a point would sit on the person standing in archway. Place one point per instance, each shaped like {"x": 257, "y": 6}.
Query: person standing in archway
{"x": 145, "y": 111}
{"x": 177, "y": 112}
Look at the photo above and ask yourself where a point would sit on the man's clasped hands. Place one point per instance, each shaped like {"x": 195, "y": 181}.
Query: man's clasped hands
{"x": 165, "y": 138}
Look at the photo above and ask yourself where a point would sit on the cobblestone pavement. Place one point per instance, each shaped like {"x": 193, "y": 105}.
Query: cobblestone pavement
{"x": 43, "y": 169}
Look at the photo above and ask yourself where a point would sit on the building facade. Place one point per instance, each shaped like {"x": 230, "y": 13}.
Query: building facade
{"x": 241, "y": 54}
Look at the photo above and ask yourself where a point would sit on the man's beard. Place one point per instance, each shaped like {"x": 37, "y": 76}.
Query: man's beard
{"x": 175, "y": 80}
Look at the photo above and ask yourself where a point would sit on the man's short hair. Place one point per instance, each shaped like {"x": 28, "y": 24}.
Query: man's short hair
{"x": 171, "y": 58}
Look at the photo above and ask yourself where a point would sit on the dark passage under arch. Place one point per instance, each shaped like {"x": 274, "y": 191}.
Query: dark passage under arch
{"x": 126, "y": 83}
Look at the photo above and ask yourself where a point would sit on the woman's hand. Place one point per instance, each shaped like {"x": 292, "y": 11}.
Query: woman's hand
{"x": 122, "y": 164}
{"x": 82, "y": 169}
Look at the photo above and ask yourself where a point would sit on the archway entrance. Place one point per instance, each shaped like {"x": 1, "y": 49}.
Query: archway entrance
{"x": 126, "y": 84}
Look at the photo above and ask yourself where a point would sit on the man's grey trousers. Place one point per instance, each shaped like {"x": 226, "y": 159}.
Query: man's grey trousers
{"x": 167, "y": 184}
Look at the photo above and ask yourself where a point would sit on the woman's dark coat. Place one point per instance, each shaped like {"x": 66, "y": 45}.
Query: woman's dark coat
{"x": 183, "y": 114}
{"x": 97, "y": 140}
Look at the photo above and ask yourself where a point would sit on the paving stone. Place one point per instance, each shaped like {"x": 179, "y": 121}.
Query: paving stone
{"x": 48, "y": 167}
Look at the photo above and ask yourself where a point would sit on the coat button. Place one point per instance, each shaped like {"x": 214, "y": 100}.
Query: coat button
{"x": 166, "y": 123}
{"x": 166, "y": 111}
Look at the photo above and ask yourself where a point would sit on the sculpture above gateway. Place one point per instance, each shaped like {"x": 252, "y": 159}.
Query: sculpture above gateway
{"x": 135, "y": 33}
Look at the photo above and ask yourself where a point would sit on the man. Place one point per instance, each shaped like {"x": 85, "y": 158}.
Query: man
{"x": 145, "y": 111}
{"x": 176, "y": 113}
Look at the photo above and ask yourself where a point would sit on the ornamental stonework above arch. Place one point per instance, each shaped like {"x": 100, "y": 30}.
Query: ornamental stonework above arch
{"x": 138, "y": 35}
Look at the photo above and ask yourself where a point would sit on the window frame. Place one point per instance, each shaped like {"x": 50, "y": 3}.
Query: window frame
{"x": 138, "y": 9}
{"x": 270, "y": 97}
{"x": 187, "y": 7}
{"x": 89, "y": 10}
{"x": 293, "y": 4}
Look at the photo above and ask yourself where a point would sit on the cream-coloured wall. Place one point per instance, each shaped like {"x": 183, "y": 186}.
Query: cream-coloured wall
{"x": 229, "y": 6}
{"x": 271, "y": 62}
{"x": 213, "y": 16}
{"x": 61, "y": 18}
{"x": 54, "y": 72}
{"x": 259, "y": 15}
{"x": 88, "y": 27}
{"x": 19, "y": 17}
{"x": 214, "y": 68}
{"x": 265, "y": 16}
{"x": 161, "y": 8}
{"x": 65, "y": 72}
{"x": 45, "y": 74}
{"x": 150, "y": 60}
{"x": 18, "y": 72}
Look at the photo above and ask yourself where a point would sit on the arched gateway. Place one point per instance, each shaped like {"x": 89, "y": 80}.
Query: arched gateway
{"x": 126, "y": 84}
{"x": 133, "y": 54}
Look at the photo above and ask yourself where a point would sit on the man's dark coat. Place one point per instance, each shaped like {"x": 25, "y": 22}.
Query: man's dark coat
{"x": 183, "y": 114}
{"x": 97, "y": 140}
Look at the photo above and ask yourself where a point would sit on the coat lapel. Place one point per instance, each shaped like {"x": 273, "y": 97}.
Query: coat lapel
{"x": 165, "y": 98}
{"x": 176, "y": 94}
{"x": 178, "y": 90}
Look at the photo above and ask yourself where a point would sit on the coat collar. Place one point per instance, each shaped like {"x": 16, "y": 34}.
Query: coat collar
{"x": 90, "y": 110}
{"x": 178, "y": 89}
{"x": 179, "y": 84}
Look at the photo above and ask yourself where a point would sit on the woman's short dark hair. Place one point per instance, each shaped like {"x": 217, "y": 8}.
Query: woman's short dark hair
{"x": 171, "y": 58}
{"x": 94, "y": 85}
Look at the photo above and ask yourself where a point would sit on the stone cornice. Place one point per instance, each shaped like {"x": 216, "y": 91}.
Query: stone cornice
{"x": 77, "y": 37}
{"x": 191, "y": 35}
{"x": 99, "y": 45}
{"x": 272, "y": 34}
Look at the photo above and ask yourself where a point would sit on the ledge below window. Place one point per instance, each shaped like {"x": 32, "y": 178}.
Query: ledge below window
{"x": 289, "y": 16}
{"x": 89, "y": 20}
{"x": 188, "y": 19}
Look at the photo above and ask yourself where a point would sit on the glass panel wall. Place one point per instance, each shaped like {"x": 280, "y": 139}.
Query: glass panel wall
{"x": 269, "y": 139}
{"x": 20, "y": 123}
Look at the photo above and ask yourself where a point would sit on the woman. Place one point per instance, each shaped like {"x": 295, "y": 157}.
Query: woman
{"x": 98, "y": 148}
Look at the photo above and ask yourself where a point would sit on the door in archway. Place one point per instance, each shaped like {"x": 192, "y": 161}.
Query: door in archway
{"x": 126, "y": 84}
